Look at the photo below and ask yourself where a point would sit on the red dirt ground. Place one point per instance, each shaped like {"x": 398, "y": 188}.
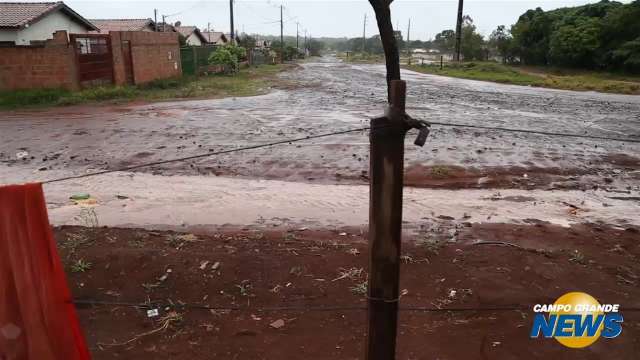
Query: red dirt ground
{"x": 298, "y": 268}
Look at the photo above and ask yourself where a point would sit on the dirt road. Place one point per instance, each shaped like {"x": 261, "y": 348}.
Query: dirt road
{"x": 558, "y": 215}
{"x": 298, "y": 277}
{"x": 327, "y": 96}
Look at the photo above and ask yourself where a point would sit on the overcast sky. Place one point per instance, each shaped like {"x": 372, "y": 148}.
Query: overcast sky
{"x": 334, "y": 18}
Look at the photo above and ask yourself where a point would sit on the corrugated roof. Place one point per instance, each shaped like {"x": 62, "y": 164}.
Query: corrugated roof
{"x": 106, "y": 25}
{"x": 16, "y": 15}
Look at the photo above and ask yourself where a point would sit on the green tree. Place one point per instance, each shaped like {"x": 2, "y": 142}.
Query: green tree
{"x": 501, "y": 44}
{"x": 620, "y": 33}
{"x": 627, "y": 56}
{"x": 531, "y": 36}
{"x": 445, "y": 41}
{"x": 290, "y": 51}
{"x": 222, "y": 56}
{"x": 228, "y": 56}
{"x": 472, "y": 44}
{"x": 238, "y": 51}
{"x": 575, "y": 45}
{"x": 600, "y": 35}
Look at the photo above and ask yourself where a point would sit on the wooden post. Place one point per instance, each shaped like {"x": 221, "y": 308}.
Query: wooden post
{"x": 441, "y": 61}
{"x": 385, "y": 221}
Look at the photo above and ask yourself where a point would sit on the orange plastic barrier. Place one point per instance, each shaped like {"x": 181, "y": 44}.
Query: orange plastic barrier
{"x": 37, "y": 319}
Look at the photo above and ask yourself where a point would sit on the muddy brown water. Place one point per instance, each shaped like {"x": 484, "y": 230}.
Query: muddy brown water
{"x": 328, "y": 96}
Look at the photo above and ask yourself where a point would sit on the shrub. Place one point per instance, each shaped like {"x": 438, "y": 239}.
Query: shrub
{"x": 228, "y": 56}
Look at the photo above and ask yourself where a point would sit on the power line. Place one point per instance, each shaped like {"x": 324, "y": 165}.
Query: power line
{"x": 197, "y": 4}
{"x": 161, "y": 162}
{"x": 255, "y": 12}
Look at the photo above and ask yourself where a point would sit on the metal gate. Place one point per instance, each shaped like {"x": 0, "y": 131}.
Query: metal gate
{"x": 195, "y": 59}
{"x": 95, "y": 60}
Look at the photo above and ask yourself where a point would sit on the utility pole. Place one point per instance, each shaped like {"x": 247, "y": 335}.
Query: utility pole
{"x": 164, "y": 24}
{"x": 408, "y": 34}
{"x": 408, "y": 39}
{"x": 209, "y": 32}
{"x": 297, "y": 36}
{"x": 364, "y": 34}
{"x": 459, "y": 29}
{"x": 155, "y": 19}
{"x": 281, "y": 37}
{"x": 232, "y": 33}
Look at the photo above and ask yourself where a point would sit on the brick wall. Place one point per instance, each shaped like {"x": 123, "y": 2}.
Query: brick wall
{"x": 54, "y": 65}
{"x": 154, "y": 55}
{"x": 50, "y": 66}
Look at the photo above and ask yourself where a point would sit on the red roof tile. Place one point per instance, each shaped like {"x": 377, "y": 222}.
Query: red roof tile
{"x": 106, "y": 25}
{"x": 15, "y": 15}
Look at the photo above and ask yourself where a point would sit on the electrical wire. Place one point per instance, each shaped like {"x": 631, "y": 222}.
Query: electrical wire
{"x": 310, "y": 137}
{"x": 195, "y": 5}
{"x": 209, "y": 154}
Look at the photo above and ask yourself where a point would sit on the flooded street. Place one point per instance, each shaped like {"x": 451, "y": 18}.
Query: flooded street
{"x": 232, "y": 244}
{"x": 327, "y": 96}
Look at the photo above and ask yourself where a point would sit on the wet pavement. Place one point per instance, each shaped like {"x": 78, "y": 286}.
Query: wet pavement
{"x": 326, "y": 96}
{"x": 323, "y": 182}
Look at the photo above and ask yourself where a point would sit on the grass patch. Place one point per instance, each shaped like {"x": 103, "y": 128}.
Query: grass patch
{"x": 81, "y": 266}
{"x": 19, "y": 98}
{"x": 367, "y": 58}
{"x": 360, "y": 57}
{"x": 537, "y": 76}
{"x": 250, "y": 81}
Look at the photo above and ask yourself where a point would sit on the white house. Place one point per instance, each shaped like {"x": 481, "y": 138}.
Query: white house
{"x": 27, "y": 23}
{"x": 192, "y": 35}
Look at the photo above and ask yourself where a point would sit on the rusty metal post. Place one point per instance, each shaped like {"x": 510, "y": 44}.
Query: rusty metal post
{"x": 385, "y": 220}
